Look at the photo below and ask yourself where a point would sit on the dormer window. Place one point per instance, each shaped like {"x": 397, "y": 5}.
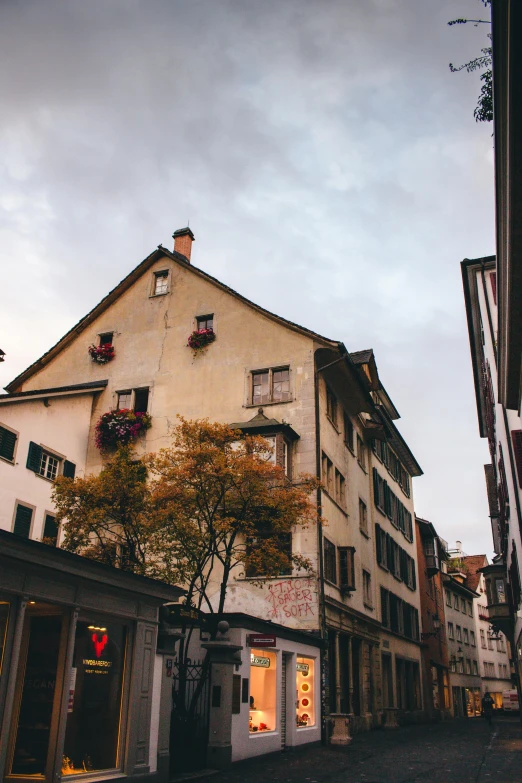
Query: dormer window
{"x": 161, "y": 282}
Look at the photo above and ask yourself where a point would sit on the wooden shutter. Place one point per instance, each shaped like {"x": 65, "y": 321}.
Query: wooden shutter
{"x": 34, "y": 457}
{"x": 50, "y": 529}
{"x": 376, "y": 487}
{"x": 516, "y": 437}
{"x": 69, "y": 469}
{"x": 23, "y": 519}
{"x": 7, "y": 443}
{"x": 378, "y": 543}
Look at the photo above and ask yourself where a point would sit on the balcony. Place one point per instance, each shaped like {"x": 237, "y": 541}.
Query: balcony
{"x": 499, "y": 614}
{"x": 432, "y": 564}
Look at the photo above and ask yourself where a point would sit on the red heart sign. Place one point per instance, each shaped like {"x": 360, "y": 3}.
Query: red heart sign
{"x": 99, "y": 644}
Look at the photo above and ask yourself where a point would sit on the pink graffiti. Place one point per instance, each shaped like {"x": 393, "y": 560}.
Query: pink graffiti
{"x": 291, "y": 598}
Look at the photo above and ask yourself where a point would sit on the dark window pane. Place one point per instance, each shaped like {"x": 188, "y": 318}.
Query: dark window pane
{"x": 141, "y": 400}
{"x": 93, "y": 720}
{"x": 106, "y": 339}
{"x": 50, "y": 530}
{"x": 34, "y": 718}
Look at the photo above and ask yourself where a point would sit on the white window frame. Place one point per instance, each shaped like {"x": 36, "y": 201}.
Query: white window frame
{"x": 160, "y": 274}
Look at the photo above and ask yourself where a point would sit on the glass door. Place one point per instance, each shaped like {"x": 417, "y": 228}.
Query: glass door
{"x": 35, "y": 717}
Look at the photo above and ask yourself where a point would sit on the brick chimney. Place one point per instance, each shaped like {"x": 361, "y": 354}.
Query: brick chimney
{"x": 183, "y": 239}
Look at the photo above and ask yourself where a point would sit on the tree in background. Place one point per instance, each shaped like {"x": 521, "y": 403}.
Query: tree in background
{"x": 484, "y": 108}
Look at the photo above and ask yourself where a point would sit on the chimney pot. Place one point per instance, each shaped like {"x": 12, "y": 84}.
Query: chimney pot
{"x": 183, "y": 239}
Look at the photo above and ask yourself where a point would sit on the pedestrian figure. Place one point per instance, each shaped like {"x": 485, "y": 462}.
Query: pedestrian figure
{"x": 487, "y": 707}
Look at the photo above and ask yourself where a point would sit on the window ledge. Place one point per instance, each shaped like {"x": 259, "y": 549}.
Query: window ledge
{"x": 362, "y": 468}
{"x": 9, "y": 461}
{"x": 264, "y": 404}
{"x": 334, "y": 425}
{"x": 352, "y": 452}
{"x": 157, "y": 296}
{"x": 343, "y": 510}
{"x": 332, "y": 584}
{"x": 51, "y": 481}
{"x": 368, "y": 606}
{"x": 364, "y": 532}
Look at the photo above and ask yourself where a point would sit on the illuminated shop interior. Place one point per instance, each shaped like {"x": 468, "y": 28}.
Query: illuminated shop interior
{"x": 263, "y": 691}
{"x": 305, "y": 707}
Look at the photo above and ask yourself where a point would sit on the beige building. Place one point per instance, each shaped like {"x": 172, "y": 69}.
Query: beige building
{"x": 328, "y": 414}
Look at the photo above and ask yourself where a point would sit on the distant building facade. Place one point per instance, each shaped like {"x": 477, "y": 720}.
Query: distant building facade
{"x": 431, "y": 557}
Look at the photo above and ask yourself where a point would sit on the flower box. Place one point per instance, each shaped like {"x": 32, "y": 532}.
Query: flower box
{"x": 101, "y": 354}
{"x": 118, "y": 428}
{"x": 200, "y": 339}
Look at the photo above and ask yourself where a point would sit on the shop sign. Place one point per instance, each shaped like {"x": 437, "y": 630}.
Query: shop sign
{"x": 181, "y": 614}
{"x": 303, "y": 667}
{"x": 259, "y": 660}
{"x": 261, "y": 640}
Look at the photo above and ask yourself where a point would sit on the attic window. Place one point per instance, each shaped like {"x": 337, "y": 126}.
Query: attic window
{"x": 161, "y": 282}
{"x": 205, "y": 322}
{"x": 106, "y": 338}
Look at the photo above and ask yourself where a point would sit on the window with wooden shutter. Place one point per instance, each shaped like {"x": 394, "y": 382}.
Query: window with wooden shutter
{"x": 34, "y": 457}
{"x": 330, "y": 561}
{"x": 50, "y": 531}
{"x": 7, "y": 443}
{"x": 346, "y": 567}
{"x": 23, "y": 519}
{"x": 69, "y": 469}
{"x": 516, "y": 438}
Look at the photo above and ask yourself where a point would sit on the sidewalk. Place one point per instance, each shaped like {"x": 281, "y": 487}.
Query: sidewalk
{"x": 457, "y": 751}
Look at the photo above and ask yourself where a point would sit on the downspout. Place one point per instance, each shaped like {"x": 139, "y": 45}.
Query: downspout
{"x": 324, "y": 660}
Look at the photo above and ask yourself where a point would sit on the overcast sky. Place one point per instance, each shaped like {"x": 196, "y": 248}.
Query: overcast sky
{"x": 328, "y": 161}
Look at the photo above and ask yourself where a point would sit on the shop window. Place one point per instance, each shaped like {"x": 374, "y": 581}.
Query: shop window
{"x": 34, "y": 711}
{"x": 96, "y": 684}
{"x": 305, "y": 709}
{"x": 4, "y": 617}
{"x": 263, "y": 691}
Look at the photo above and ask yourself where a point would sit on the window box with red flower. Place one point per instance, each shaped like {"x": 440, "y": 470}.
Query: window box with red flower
{"x": 101, "y": 354}
{"x": 120, "y": 427}
{"x": 200, "y": 339}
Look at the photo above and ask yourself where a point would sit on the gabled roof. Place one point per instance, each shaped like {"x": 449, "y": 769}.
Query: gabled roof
{"x": 261, "y": 425}
{"x": 367, "y": 358}
{"x": 473, "y": 564}
{"x": 125, "y": 284}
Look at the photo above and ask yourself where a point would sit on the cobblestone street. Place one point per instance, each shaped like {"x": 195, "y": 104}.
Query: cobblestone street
{"x": 460, "y": 751}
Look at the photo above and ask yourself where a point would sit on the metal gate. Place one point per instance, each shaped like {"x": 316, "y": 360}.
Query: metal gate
{"x": 190, "y": 714}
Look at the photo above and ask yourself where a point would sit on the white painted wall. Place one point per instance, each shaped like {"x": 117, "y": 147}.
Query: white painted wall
{"x": 62, "y": 426}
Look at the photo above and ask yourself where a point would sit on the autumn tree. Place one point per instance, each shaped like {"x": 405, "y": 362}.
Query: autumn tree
{"x": 212, "y": 503}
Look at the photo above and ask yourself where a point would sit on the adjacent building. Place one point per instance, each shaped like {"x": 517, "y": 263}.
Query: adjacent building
{"x": 493, "y": 296}
{"x": 326, "y": 412}
{"x": 431, "y": 557}
{"x": 462, "y": 640}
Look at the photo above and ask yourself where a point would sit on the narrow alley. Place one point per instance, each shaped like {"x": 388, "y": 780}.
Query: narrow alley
{"x": 460, "y": 751}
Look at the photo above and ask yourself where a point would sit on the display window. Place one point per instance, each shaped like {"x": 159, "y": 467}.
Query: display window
{"x": 305, "y": 703}
{"x": 35, "y": 690}
{"x": 263, "y": 691}
{"x": 4, "y": 617}
{"x": 95, "y": 695}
